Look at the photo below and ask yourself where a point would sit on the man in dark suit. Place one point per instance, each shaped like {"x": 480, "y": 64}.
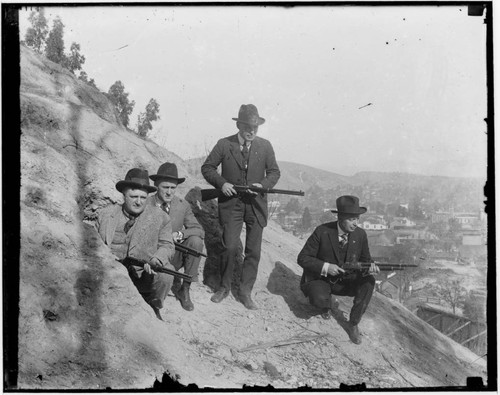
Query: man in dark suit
{"x": 185, "y": 227}
{"x": 246, "y": 160}
{"x": 141, "y": 232}
{"x": 329, "y": 247}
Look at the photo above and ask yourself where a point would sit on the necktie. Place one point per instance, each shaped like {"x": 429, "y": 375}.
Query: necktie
{"x": 129, "y": 224}
{"x": 165, "y": 207}
{"x": 343, "y": 240}
{"x": 244, "y": 152}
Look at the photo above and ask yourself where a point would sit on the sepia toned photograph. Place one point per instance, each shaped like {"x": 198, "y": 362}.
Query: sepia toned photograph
{"x": 276, "y": 196}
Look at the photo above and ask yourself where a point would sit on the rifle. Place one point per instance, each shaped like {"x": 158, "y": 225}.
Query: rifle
{"x": 160, "y": 269}
{"x": 182, "y": 248}
{"x": 384, "y": 267}
{"x": 208, "y": 194}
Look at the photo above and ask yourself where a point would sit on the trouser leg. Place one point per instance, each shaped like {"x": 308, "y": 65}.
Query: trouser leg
{"x": 230, "y": 239}
{"x": 253, "y": 245}
{"x": 152, "y": 286}
{"x": 362, "y": 297}
{"x": 189, "y": 262}
{"x": 318, "y": 292}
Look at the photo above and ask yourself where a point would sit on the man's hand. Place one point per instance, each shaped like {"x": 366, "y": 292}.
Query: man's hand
{"x": 178, "y": 236}
{"x": 149, "y": 267}
{"x": 256, "y": 184}
{"x": 334, "y": 270}
{"x": 374, "y": 269}
{"x": 228, "y": 190}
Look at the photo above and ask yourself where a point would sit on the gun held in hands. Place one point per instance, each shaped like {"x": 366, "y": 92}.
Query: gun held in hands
{"x": 208, "y": 194}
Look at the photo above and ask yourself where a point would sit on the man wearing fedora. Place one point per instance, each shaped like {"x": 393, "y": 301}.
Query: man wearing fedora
{"x": 143, "y": 232}
{"x": 245, "y": 159}
{"x": 330, "y": 246}
{"x": 185, "y": 227}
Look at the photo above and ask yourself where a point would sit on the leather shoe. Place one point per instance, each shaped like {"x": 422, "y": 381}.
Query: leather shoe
{"x": 354, "y": 334}
{"x": 326, "y": 314}
{"x": 219, "y": 295}
{"x": 248, "y": 302}
{"x": 182, "y": 296}
{"x": 156, "y": 304}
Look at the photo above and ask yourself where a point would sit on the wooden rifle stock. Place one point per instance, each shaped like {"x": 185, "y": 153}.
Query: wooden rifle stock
{"x": 160, "y": 269}
{"x": 208, "y": 194}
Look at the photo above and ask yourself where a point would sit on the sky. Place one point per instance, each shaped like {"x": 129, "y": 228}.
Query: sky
{"x": 342, "y": 88}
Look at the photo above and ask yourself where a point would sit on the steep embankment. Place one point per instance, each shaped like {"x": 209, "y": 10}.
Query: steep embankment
{"x": 83, "y": 325}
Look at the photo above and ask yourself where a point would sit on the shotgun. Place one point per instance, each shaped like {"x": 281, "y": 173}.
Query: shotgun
{"x": 160, "y": 269}
{"x": 208, "y": 194}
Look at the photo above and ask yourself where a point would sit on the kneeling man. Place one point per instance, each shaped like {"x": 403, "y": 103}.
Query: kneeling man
{"x": 142, "y": 232}
{"x": 326, "y": 251}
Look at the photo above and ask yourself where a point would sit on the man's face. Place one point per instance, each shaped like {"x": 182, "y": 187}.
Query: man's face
{"x": 247, "y": 132}
{"x": 134, "y": 201}
{"x": 349, "y": 223}
{"x": 166, "y": 190}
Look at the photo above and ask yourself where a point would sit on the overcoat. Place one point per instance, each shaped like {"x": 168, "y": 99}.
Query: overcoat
{"x": 151, "y": 235}
{"x": 262, "y": 168}
{"x": 323, "y": 246}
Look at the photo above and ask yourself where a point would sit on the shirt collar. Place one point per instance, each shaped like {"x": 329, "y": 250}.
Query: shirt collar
{"x": 341, "y": 232}
{"x": 242, "y": 141}
{"x": 127, "y": 215}
{"x": 158, "y": 202}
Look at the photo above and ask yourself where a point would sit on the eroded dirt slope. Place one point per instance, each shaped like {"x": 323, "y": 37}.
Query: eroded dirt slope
{"x": 83, "y": 325}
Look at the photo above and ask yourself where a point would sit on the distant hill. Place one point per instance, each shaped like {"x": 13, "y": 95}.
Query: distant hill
{"x": 437, "y": 192}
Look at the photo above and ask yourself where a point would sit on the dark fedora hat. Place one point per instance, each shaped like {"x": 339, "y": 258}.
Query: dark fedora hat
{"x": 167, "y": 171}
{"x": 136, "y": 179}
{"x": 349, "y": 205}
{"x": 248, "y": 114}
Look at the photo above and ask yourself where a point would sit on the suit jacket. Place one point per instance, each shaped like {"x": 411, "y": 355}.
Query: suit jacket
{"x": 323, "y": 246}
{"x": 151, "y": 235}
{"x": 262, "y": 168}
{"x": 181, "y": 217}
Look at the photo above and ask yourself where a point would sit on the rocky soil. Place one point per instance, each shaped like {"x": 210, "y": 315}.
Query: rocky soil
{"x": 82, "y": 324}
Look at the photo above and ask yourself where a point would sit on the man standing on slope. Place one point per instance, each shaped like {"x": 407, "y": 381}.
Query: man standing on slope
{"x": 329, "y": 247}
{"x": 142, "y": 232}
{"x": 246, "y": 160}
{"x": 185, "y": 227}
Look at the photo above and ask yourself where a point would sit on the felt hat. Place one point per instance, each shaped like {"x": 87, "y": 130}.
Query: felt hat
{"x": 167, "y": 171}
{"x": 349, "y": 205}
{"x": 136, "y": 179}
{"x": 249, "y": 115}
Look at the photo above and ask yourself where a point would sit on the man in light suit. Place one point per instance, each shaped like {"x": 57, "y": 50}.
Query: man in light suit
{"x": 142, "y": 232}
{"x": 245, "y": 160}
{"x": 330, "y": 246}
{"x": 185, "y": 227}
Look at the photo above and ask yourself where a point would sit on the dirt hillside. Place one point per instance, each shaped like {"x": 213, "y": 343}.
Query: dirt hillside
{"x": 83, "y": 325}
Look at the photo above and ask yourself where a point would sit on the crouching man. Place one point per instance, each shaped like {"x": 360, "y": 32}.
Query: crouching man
{"x": 142, "y": 232}
{"x": 326, "y": 251}
{"x": 185, "y": 227}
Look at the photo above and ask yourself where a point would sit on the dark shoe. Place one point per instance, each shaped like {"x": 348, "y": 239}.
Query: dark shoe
{"x": 326, "y": 314}
{"x": 182, "y": 296}
{"x": 248, "y": 302}
{"x": 176, "y": 286}
{"x": 156, "y": 304}
{"x": 354, "y": 334}
{"x": 219, "y": 295}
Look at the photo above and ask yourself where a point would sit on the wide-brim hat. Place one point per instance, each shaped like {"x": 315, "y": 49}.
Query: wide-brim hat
{"x": 167, "y": 171}
{"x": 136, "y": 179}
{"x": 349, "y": 205}
{"x": 249, "y": 115}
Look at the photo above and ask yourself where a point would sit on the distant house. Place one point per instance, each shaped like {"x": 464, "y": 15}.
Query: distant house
{"x": 374, "y": 222}
{"x": 466, "y": 220}
{"x": 472, "y": 239}
{"x": 402, "y": 222}
{"x": 404, "y": 235}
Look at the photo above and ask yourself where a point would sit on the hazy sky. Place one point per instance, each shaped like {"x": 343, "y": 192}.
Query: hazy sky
{"x": 309, "y": 70}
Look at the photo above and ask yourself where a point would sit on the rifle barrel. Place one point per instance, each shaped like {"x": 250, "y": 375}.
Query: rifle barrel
{"x": 160, "y": 269}
{"x": 182, "y": 248}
